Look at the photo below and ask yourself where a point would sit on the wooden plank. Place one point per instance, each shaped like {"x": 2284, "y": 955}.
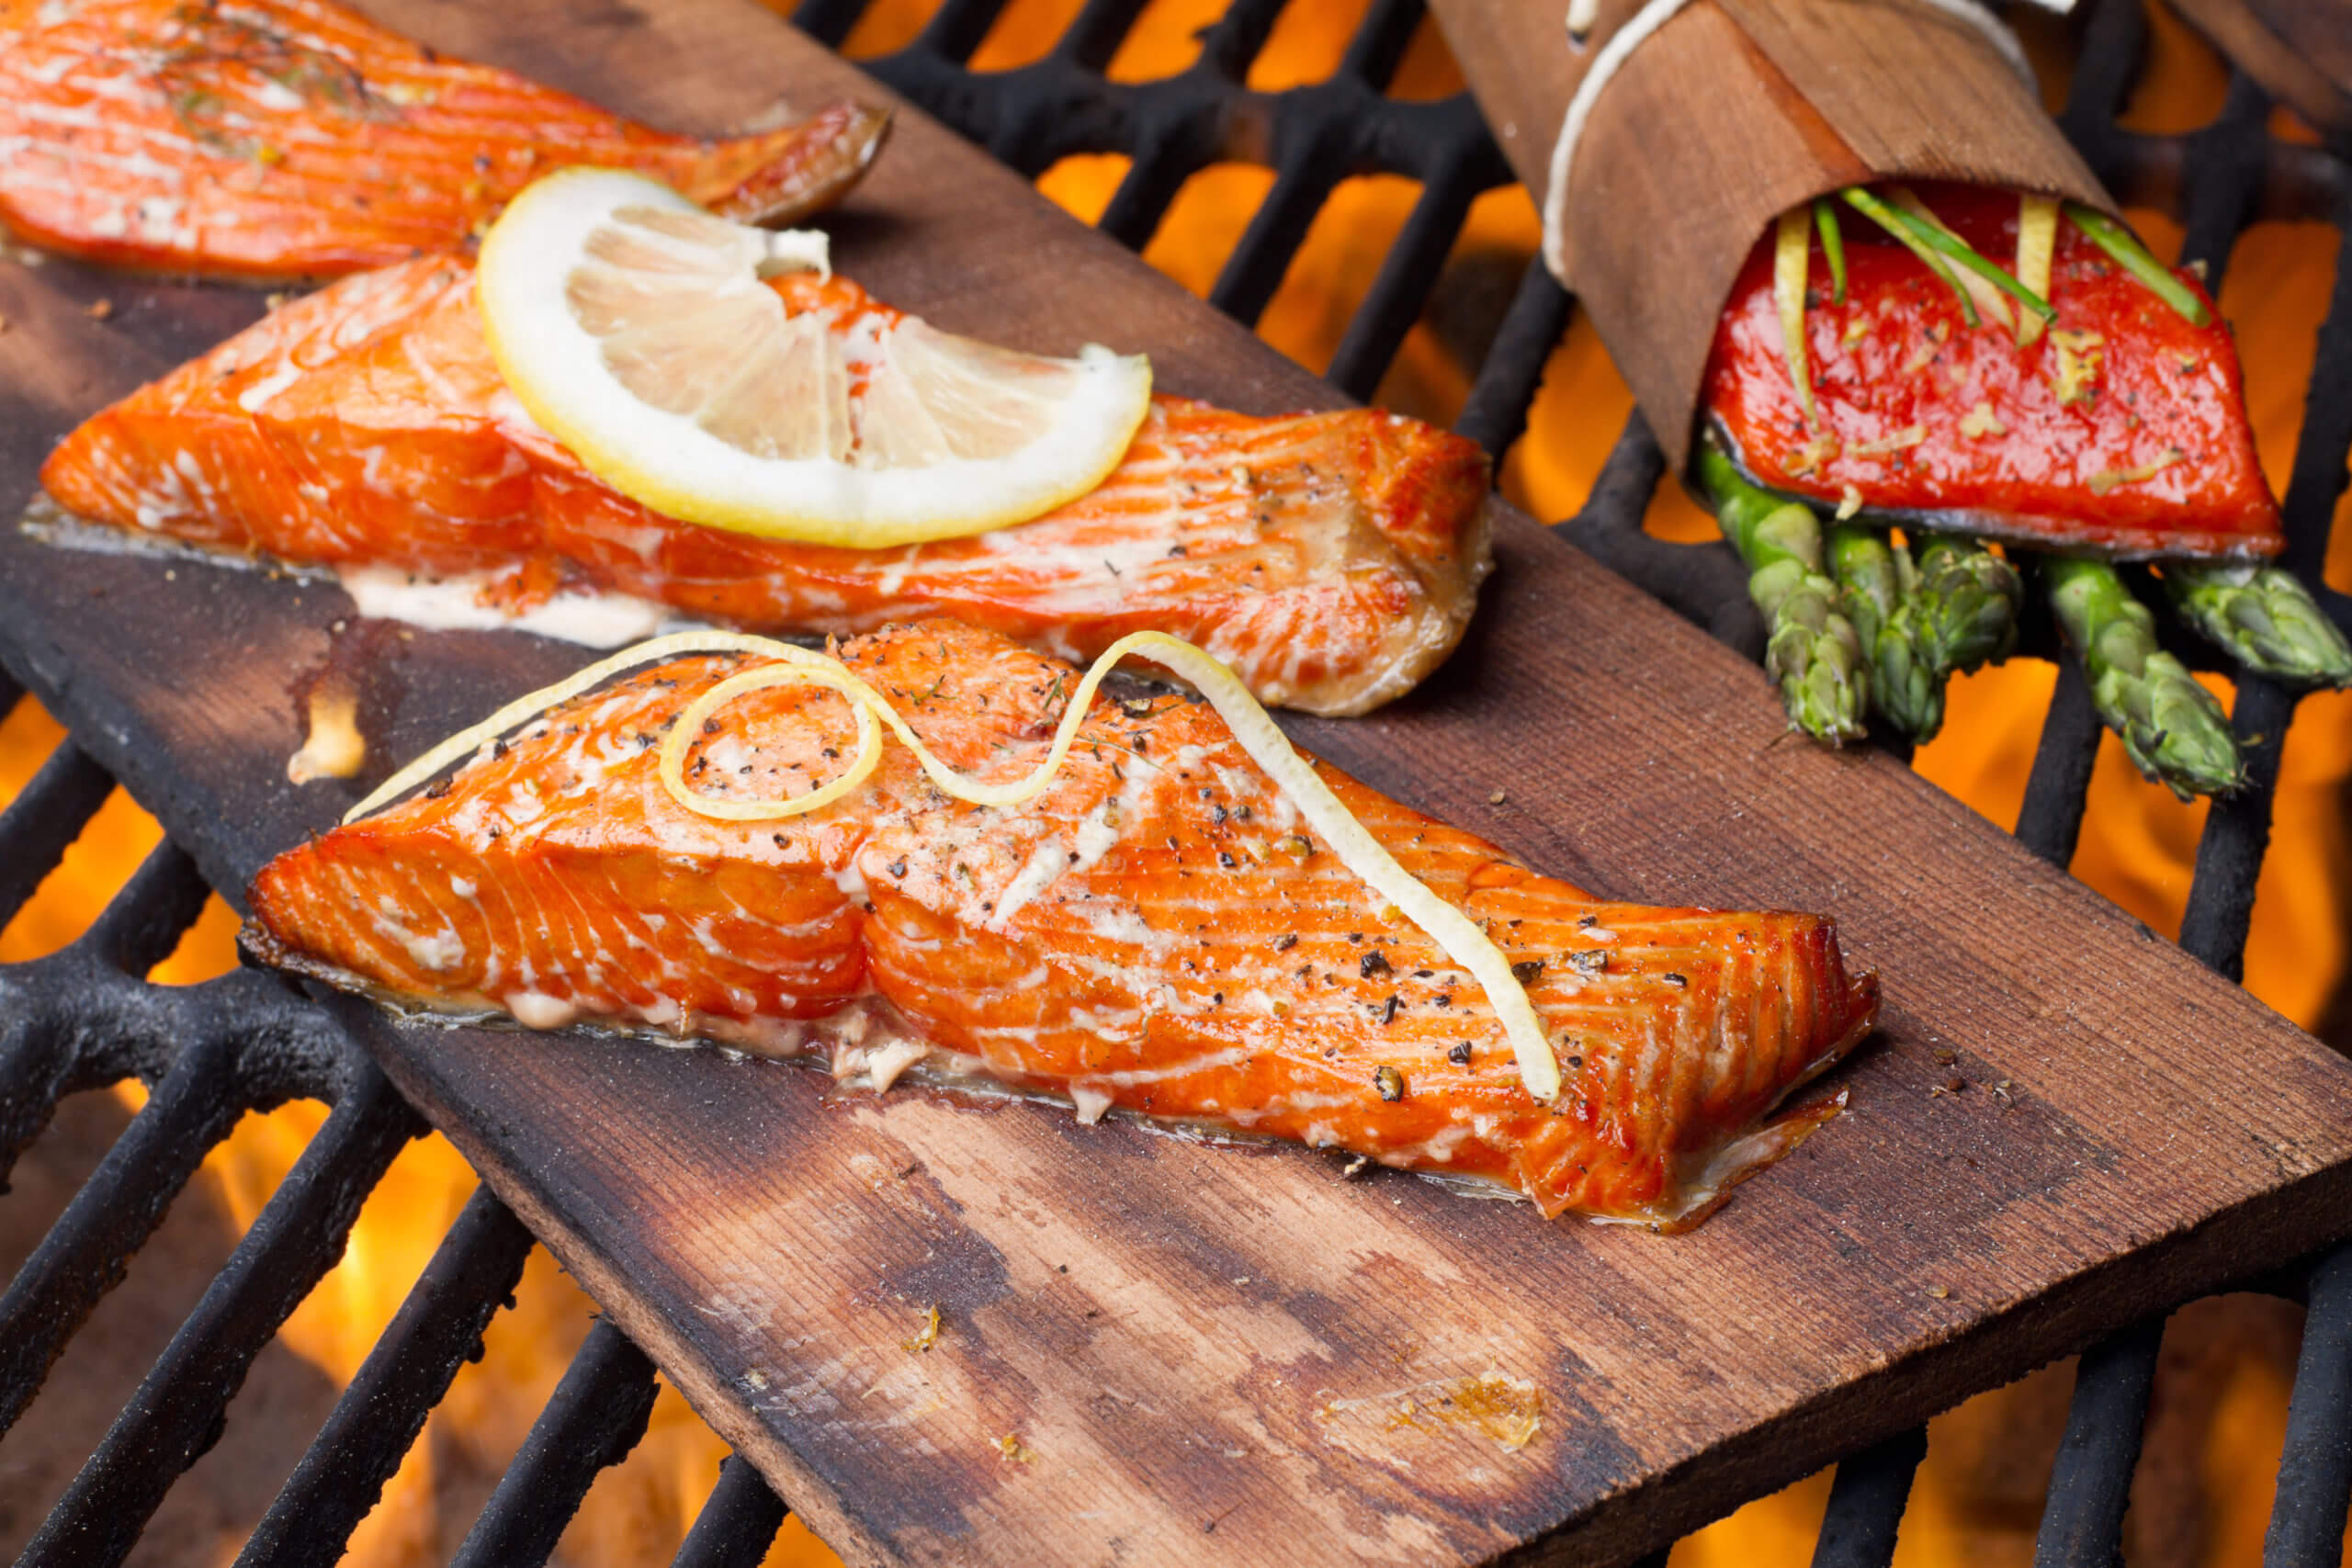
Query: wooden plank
{"x": 1206, "y": 1349}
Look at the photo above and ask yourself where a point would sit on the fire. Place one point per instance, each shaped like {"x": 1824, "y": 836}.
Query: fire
{"x": 1980, "y": 1491}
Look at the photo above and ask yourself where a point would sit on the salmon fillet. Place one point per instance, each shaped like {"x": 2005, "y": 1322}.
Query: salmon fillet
{"x": 1159, "y": 933}
{"x": 1332, "y": 559}
{"x": 294, "y": 138}
{"x": 2121, "y": 431}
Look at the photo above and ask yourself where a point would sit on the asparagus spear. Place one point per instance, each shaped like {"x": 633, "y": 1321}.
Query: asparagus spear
{"x": 2262, "y": 618}
{"x": 2172, "y": 728}
{"x": 1966, "y": 603}
{"x": 1874, "y": 582}
{"x": 1810, "y": 647}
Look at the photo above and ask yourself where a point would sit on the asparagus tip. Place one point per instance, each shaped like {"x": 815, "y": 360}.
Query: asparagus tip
{"x": 2263, "y": 617}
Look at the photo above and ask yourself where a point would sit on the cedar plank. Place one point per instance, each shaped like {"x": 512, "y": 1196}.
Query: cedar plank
{"x": 2168, "y": 1132}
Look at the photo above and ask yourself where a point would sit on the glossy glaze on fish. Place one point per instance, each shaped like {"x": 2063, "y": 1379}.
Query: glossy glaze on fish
{"x": 2121, "y": 431}
{"x": 1157, "y": 933}
{"x": 1331, "y": 559}
{"x": 294, "y": 138}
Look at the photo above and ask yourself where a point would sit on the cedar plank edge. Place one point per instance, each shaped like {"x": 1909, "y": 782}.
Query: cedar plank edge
{"x": 1220, "y": 1368}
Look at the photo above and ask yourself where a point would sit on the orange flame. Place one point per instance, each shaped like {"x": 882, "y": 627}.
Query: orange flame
{"x": 1980, "y": 1491}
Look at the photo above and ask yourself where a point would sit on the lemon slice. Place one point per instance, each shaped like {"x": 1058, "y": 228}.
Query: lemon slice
{"x": 644, "y": 333}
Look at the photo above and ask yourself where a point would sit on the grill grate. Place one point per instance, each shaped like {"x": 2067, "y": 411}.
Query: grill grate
{"x": 84, "y": 1018}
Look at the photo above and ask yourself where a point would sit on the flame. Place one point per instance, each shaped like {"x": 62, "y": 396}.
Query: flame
{"x": 1979, "y": 1493}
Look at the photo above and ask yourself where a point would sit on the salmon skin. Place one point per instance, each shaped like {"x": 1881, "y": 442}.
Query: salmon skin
{"x": 1159, "y": 933}
{"x": 2122, "y": 432}
{"x": 274, "y": 140}
{"x": 1331, "y": 559}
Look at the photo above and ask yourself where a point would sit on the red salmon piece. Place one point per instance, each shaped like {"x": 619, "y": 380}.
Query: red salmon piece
{"x": 2122, "y": 432}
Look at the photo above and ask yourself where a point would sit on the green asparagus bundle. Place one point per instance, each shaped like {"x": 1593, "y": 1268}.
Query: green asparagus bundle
{"x": 1921, "y": 623}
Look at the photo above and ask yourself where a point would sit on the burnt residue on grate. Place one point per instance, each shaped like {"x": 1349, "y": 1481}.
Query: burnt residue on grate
{"x": 84, "y": 1017}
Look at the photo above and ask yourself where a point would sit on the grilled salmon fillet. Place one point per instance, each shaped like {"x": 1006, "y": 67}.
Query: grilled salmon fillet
{"x": 1157, "y": 933}
{"x": 1332, "y": 559}
{"x": 294, "y": 138}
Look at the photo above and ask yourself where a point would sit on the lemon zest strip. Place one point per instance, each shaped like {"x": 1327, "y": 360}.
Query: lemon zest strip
{"x": 524, "y": 709}
{"x": 1253, "y": 729}
{"x": 1792, "y": 259}
{"x": 2037, "y": 245}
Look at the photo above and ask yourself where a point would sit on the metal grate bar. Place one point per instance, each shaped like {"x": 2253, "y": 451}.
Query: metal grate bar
{"x": 2237, "y": 833}
{"x": 87, "y": 1251}
{"x": 2315, "y": 1469}
{"x": 957, "y": 26}
{"x": 1378, "y": 45}
{"x": 736, "y": 1524}
{"x": 141, "y": 924}
{"x": 2222, "y": 175}
{"x": 1189, "y": 126}
{"x": 1306, "y": 176}
{"x": 58, "y": 1034}
{"x": 438, "y": 1329}
{"x": 1412, "y": 270}
{"x": 1316, "y": 145}
{"x": 182, "y": 1406}
{"x": 2082, "y": 1523}
{"x": 1866, "y": 1503}
{"x": 1097, "y": 33}
{"x": 1706, "y": 584}
{"x": 597, "y": 1415}
{"x": 2104, "y": 67}
{"x": 2050, "y": 823}
{"x": 1494, "y": 413}
{"x": 829, "y": 21}
{"x": 1232, "y": 43}
{"x": 44, "y": 820}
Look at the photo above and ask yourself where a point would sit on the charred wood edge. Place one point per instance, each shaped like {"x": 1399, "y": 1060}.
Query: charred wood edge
{"x": 598, "y": 1413}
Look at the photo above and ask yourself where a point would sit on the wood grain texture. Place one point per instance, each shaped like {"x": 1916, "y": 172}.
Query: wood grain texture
{"x": 1729, "y": 115}
{"x": 1209, "y": 1351}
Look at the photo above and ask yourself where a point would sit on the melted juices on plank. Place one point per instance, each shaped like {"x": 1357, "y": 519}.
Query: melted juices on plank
{"x": 1157, "y": 932}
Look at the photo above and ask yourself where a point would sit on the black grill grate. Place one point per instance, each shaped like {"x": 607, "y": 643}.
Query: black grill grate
{"x": 84, "y": 1018}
